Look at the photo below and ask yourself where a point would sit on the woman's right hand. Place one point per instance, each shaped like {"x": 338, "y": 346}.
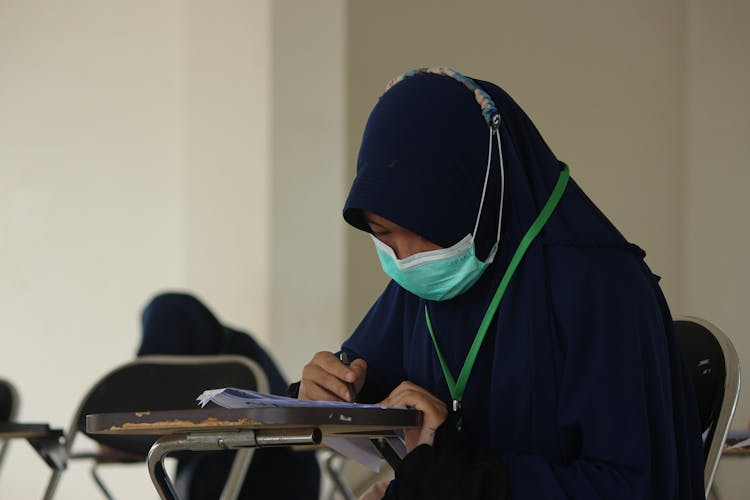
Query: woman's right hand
{"x": 326, "y": 378}
{"x": 434, "y": 412}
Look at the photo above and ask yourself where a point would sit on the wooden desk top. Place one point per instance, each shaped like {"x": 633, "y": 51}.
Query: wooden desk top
{"x": 736, "y": 436}
{"x": 350, "y": 422}
{"x": 11, "y": 430}
{"x": 736, "y": 452}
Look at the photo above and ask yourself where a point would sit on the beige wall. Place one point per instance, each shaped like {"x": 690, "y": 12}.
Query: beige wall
{"x": 716, "y": 178}
{"x": 307, "y": 234}
{"x": 134, "y": 156}
{"x": 89, "y": 220}
{"x": 226, "y": 154}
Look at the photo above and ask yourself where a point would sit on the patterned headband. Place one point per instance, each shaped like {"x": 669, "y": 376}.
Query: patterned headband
{"x": 489, "y": 110}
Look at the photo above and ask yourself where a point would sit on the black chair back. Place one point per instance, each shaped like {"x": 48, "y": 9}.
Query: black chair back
{"x": 706, "y": 365}
{"x": 155, "y": 382}
{"x": 715, "y": 373}
{"x": 8, "y": 409}
{"x": 162, "y": 383}
{"x": 8, "y": 401}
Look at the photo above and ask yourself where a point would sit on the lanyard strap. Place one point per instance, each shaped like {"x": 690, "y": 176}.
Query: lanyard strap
{"x": 458, "y": 387}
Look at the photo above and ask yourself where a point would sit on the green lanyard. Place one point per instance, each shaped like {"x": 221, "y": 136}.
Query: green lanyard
{"x": 457, "y": 388}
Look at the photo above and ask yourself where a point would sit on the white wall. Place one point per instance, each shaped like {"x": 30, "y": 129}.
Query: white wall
{"x": 716, "y": 179}
{"x": 133, "y": 156}
{"x": 226, "y": 118}
{"x": 89, "y": 220}
{"x": 307, "y": 234}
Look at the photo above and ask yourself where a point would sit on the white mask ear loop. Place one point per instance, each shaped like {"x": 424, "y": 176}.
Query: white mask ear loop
{"x": 502, "y": 182}
{"x": 486, "y": 178}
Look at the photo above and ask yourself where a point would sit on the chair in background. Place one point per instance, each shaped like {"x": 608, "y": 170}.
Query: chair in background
{"x": 715, "y": 372}
{"x": 158, "y": 383}
{"x": 347, "y": 479}
{"x": 8, "y": 411}
{"x": 45, "y": 441}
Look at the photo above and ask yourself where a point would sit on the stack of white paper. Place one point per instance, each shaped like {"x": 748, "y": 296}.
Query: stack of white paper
{"x": 229, "y": 397}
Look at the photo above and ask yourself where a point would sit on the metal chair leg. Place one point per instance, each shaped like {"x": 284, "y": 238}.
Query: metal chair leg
{"x": 100, "y": 483}
{"x": 3, "y": 450}
{"x": 52, "y": 484}
{"x": 338, "y": 481}
{"x": 237, "y": 474}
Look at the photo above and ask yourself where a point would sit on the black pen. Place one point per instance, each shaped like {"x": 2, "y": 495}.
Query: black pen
{"x": 345, "y": 359}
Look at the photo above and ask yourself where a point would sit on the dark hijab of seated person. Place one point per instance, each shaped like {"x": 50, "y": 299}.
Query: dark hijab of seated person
{"x": 579, "y": 389}
{"x": 180, "y": 324}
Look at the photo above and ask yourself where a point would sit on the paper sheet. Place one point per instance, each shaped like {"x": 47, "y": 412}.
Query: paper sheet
{"x": 742, "y": 444}
{"x": 229, "y": 397}
{"x": 359, "y": 449}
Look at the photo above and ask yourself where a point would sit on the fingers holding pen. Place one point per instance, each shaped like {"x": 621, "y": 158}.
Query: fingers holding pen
{"x": 359, "y": 367}
{"x": 325, "y": 377}
{"x": 319, "y": 385}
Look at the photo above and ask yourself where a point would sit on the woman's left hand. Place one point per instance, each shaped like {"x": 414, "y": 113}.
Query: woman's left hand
{"x": 434, "y": 412}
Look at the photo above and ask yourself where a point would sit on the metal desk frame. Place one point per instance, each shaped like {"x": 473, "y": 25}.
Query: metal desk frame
{"x": 46, "y": 441}
{"x": 245, "y": 429}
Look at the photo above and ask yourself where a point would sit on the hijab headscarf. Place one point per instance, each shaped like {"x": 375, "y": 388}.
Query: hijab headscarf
{"x": 579, "y": 386}
{"x": 179, "y": 323}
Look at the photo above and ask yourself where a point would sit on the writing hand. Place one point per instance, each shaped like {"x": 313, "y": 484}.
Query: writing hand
{"x": 326, "y": 378}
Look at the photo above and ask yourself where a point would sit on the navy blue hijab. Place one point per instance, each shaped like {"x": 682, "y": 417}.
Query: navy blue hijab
{"x": 179, "y": 323}
{"x": 579, "y": 386}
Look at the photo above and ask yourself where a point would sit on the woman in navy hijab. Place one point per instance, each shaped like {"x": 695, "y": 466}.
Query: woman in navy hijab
{"x": 178, "y": 323}
{"x": 530, "y": 333}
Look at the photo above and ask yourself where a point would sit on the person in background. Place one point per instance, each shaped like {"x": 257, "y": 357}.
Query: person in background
{"x": 526, "y": 328}
{"x": 178, "y": 323}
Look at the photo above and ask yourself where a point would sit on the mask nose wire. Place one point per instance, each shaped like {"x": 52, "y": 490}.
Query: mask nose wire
{"x": 496, "y": 132}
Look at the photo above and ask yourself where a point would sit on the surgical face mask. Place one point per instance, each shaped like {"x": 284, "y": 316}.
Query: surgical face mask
{"x": 447, "y": 272}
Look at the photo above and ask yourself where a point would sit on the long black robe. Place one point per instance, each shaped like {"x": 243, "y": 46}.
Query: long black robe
{"x": 579, "y": 390}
